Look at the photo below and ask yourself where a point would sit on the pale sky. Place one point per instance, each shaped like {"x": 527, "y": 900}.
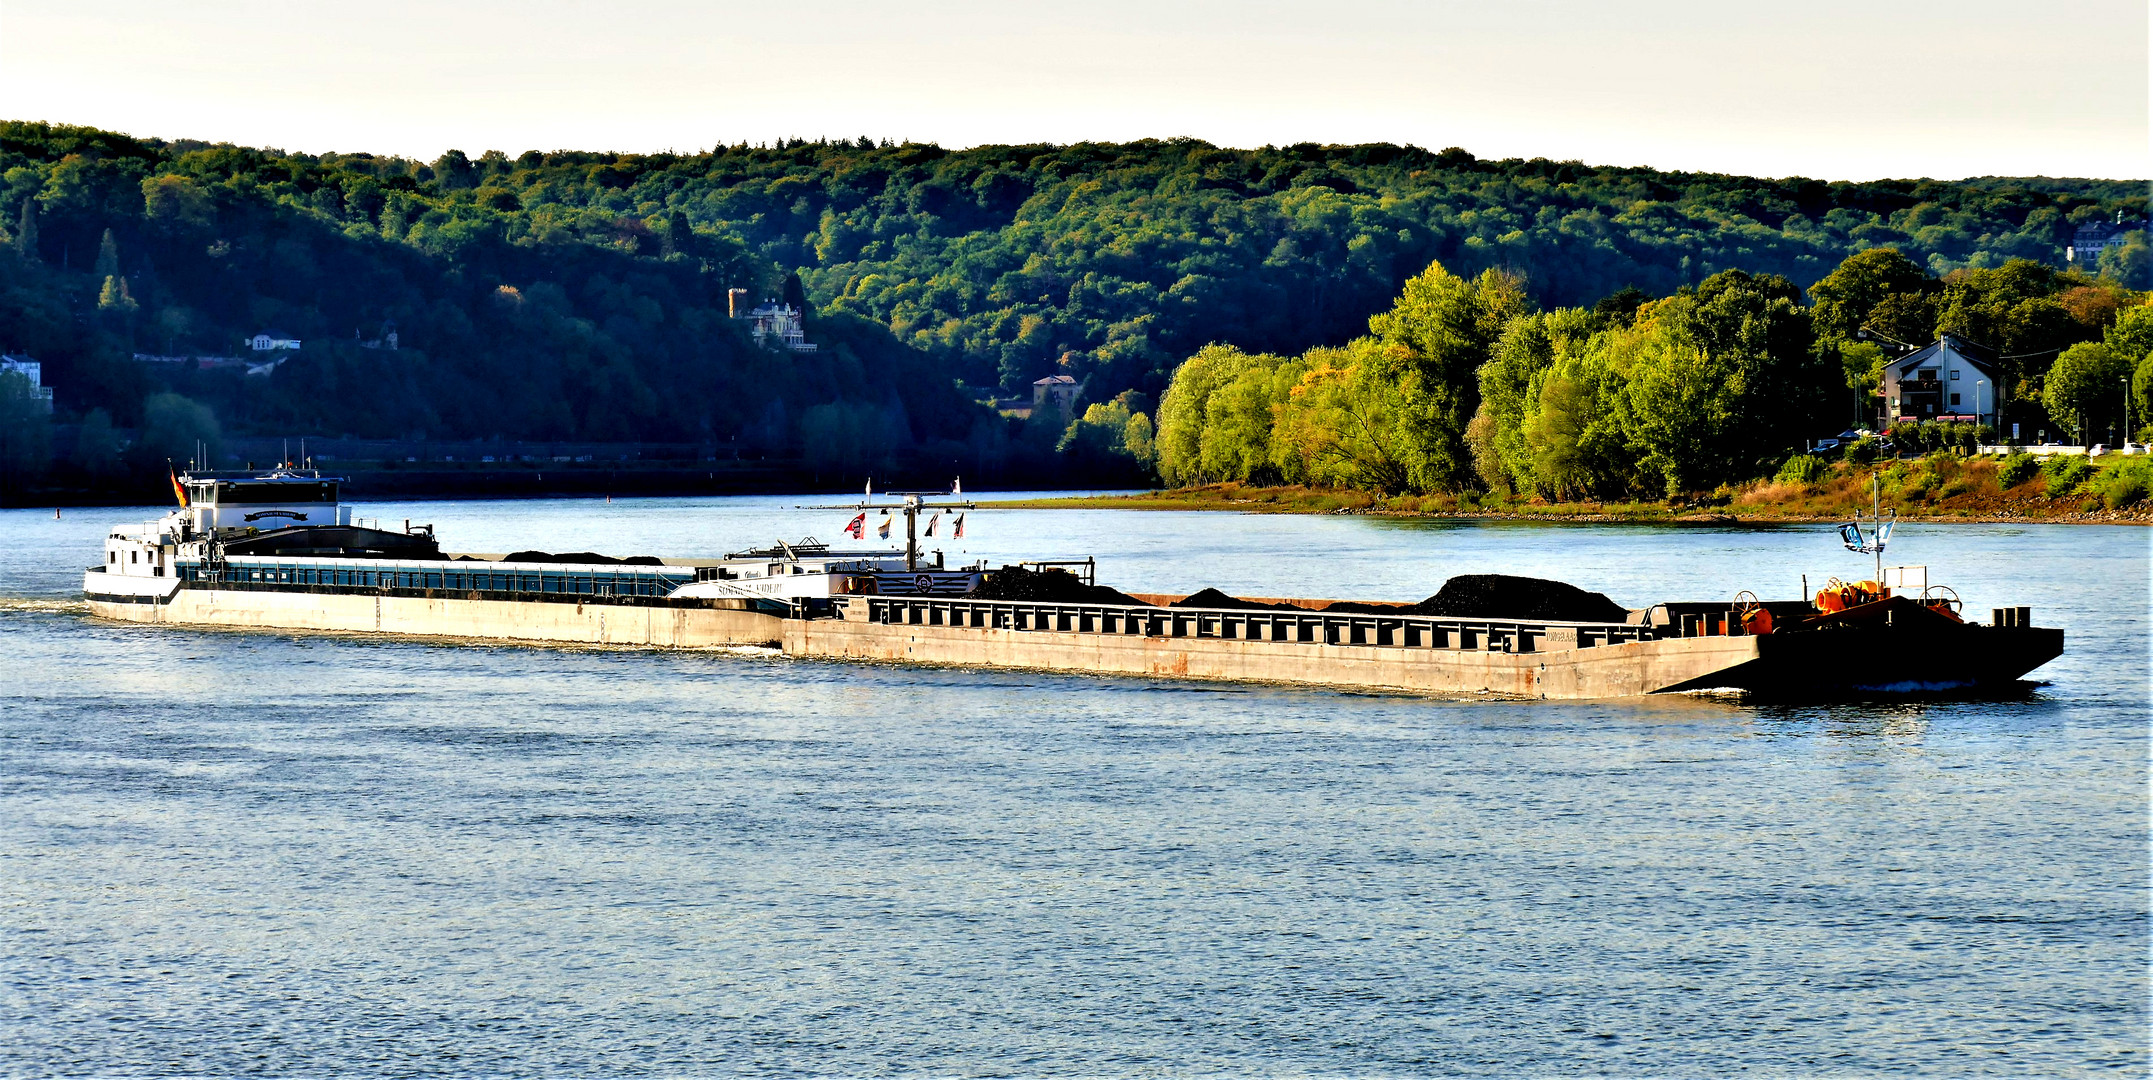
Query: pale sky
{"x": 1833, "y": 89}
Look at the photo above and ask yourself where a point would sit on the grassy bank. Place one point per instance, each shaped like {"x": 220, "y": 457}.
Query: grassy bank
{"x": 1940, "y": 487}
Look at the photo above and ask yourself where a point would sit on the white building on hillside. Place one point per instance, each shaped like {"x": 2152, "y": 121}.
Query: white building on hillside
{"x": 1952, "y": 379}
{"x": 2094, "y": 237}
{"x": 779, "y": 325}
{"x": 272, "y": 339}
{"x": 33, "y": 371}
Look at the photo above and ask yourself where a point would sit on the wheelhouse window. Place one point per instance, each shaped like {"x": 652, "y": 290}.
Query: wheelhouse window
{"x": 224, "y": 493}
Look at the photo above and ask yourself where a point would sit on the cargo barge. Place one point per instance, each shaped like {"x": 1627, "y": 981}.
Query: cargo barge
{"x": 279, "y": 551}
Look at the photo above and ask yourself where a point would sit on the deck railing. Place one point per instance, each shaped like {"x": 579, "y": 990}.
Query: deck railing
{"x": 477, "y": 575}
{"x": 1302, "y": 627}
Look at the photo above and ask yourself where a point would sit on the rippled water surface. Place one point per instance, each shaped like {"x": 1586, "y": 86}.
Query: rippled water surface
{"x": 226, "y": 852}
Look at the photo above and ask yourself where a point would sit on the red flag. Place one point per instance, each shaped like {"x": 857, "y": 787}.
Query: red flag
{"x": 857, "y": 528}
{"x": 179, "y": 490}
{"x": 959, "y": 532}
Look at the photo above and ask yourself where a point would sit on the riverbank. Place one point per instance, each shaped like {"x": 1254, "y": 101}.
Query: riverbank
{"x": 1936, "y": 488}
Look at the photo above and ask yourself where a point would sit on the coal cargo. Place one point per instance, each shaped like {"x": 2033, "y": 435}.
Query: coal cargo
{"x": 1214, "y": 600}
{"x": 1050, "y": 586}
{"x": 1501, "y": 596}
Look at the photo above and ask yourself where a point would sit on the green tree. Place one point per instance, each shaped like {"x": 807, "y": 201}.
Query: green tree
{"x": 1110, "y": 439}
{"x": 176, "y": 202}
{"x": 987, "y": 265}
{"x": 172, "y": 427}
{"x": 1239, "y": 416}
{"x": 2142, "y": 398}
{"x": 1756, "y": 341}
{"x": 108, "y": 258}
{"x": 849, "y": 439}
{"x": 2128, "y": 263}
{"x": 454, "y": 172}
{"x": 1185, "y": 415}
{"x": 97, "y": 447}
{"x": 1842, "y": 301}
{"x": 2131, "y": 336}
{"x": 2085, "y": 389}
{"x": 1680, "y": 407}
{"x": 1862, "y": 364}
{"x": 1574, "y": 443}
{"x": 25, "y": 431}
{"x": 26, "y": 231}
{"x": 1908, "y": 318}
{"x": 1341, "y": 423}
{"x": 115, "y": 297}
{"x": 1436, "y": 337}
{"x": 1530, "y": 344}
{"x": 2012, "y": 309}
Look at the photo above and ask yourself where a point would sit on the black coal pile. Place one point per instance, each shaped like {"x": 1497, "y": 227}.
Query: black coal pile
{"x": 1501, "y": 596}
{"x": 1050, "y": 586}
{"x": 584, "y": 557}
{"x": 1214, "y": 600}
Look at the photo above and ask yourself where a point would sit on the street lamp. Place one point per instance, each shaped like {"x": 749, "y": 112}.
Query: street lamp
{"x": 2126, "y": 381}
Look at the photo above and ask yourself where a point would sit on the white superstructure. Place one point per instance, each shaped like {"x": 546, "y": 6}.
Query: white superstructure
{"x": 287, "y": 529}
{"x": 148, "y": 556}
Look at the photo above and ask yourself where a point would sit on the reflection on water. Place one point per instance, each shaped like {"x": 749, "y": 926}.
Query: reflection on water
{"x": 279, "y": 853}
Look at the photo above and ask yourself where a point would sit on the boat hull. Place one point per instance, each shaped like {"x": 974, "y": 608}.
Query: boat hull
{"x": 639, "y": 621}
{"x": 1468, "y": 657}
{"x": 1853, "y": 662}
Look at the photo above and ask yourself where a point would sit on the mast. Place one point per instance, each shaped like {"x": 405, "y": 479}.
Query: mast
{"x": 910, "y": 503}
{"x": 1876, "y": 513}
{"x": 912, "y": 540}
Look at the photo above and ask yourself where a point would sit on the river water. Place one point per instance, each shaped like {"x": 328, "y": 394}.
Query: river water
{"x": 287, "y": 854}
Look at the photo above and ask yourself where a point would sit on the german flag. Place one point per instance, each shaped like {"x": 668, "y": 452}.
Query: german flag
{"x": 179, "y": 490}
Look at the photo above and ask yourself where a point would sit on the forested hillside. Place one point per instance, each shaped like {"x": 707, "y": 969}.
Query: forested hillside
{"x": 1465, "y": 385}
{"x": 583, "y": 295}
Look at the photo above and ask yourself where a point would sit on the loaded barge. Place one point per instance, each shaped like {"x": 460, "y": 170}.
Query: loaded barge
{"x": 279, "y": 550}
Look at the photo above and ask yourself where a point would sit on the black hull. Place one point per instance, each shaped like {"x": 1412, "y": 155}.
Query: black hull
{"x": 1876, "y": 661}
